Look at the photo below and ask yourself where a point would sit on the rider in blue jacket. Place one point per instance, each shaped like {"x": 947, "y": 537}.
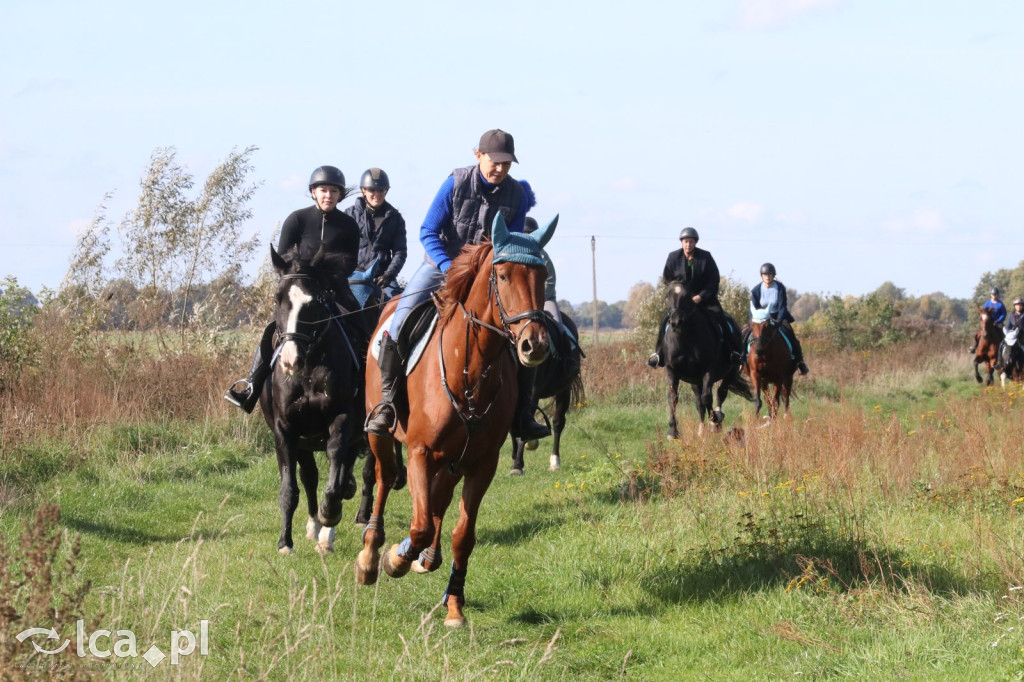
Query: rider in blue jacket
{"x": 998, "y": 310}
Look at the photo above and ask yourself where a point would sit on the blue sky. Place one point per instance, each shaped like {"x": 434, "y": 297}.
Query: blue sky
{"x": 850, "y": 143}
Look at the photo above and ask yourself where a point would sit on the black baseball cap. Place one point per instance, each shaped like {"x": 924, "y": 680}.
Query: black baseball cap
{"x": 498, "y": 145}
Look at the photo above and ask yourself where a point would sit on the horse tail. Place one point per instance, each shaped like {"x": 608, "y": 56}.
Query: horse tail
{"x": 739, "y": 385}
{"x": 577, "y": 392}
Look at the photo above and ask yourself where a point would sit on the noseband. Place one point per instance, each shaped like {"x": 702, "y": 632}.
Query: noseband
{"x": 506, "y": 320}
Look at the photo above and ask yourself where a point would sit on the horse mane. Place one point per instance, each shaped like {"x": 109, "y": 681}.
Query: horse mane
{"x": 461, "y": 276}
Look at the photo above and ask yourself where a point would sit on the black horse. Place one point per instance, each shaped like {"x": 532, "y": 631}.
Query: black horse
{"x": 695, "y": 353}
{"x": 372, "y": 298}
{"x": 313, "y": 399}
{"x": 558, "y": 377}
{"x": 1011, "y": 358}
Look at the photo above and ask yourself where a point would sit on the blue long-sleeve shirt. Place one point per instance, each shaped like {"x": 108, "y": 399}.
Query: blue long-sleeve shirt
{"x": 998, "y": 310}
{"x": 440, "y": 214}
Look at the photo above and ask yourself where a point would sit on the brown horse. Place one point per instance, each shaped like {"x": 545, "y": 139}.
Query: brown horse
{"x": 989, "y": 336}
{"x": 770, "y": 363}
{"x": 461, "y": 400}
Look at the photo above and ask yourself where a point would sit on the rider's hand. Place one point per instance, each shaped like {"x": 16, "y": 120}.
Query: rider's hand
{"x": 381, "y": 281}
{"x": 696, "y": 299}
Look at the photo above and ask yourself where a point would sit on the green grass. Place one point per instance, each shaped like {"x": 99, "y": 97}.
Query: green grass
{"x": 732, "y": 563}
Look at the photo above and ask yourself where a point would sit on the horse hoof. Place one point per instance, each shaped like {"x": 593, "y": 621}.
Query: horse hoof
{"x": 312, "y": 528}
{"x": 455, "y": 623}
{"x": 367, "y": 567}
{"x": 417, "y": 567}
{"x": 556, "y": 463}
{"x": 531, "y": 445}
{"x": 284, "y": 551}
{"x": 394, "y": 565}
{"x": 325, "y": 543}
{"x": 516, "y": 472}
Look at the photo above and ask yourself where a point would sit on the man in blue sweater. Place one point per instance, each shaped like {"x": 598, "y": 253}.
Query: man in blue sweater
{"x": 461, "y": 213}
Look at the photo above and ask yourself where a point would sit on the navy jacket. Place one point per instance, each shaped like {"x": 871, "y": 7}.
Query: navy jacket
{"x": 700, "y": 276}
{"x": 387, "y": 244}
{"x": 782, "y": 314}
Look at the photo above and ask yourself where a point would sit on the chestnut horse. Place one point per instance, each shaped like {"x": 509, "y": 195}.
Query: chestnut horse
{"x": 990, "y": 335}
{"x": 770, "y": 363}
{"x": 460, "y": 403}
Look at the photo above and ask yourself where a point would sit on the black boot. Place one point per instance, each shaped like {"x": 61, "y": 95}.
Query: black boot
{"x": 656, "y": 360}
{"x": 245, "y": 393}
{"x": 523, "y": 425}
{"x": 745, "y": 345}
{"x": 382, "y": 419}
{"x": 798, "y": 355}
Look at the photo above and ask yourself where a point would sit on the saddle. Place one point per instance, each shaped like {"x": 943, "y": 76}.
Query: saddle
{"x": 413, "y": 335}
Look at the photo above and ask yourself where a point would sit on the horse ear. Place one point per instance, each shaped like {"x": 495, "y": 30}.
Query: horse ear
{"x": 279, "y": 263}
{"x": 499, "y": 232}
{"x": 318, "y": 256}
{"x": 544, "y": 235}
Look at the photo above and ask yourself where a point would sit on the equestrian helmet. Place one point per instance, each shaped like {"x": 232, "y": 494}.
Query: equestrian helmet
{"x": 995, "y": 291}
{"x": 327, "y": 175}
{"x": 689, "y": 232}
{"x": 374, "y": 178}
{"x": 1018, "y": 301}
{"x": 530, "y": 225}
{"x": 768, "y": 269}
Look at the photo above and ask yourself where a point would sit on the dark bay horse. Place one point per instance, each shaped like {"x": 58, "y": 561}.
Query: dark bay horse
{"x": 559, "y": 378}
{"x": 990, "y": 335}
{"x": 770, "y": 363}
{"x": 461, "y": 401}
{"x": 313, "y": 398}
{"x": 695, "y": 354}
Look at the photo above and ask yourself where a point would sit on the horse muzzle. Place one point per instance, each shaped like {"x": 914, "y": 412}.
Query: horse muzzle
{"x": 532, "y": 345}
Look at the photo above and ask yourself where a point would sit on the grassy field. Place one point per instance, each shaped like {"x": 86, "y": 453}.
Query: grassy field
{"x": 877, "y": 534}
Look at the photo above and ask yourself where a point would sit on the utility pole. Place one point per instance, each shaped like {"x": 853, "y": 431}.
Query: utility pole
{"x": 593, "y": 269}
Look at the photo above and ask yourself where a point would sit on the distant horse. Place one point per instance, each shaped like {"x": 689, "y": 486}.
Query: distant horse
{"x": 1011, "y": 358}
{"x": 313, "y": 399}
{"x": 372, "y": 297}
{"x": 694, "y": 353}
{"x": 770, "y": 363}
{"x": 460, "y": 404}
{"x": 990, "y": 334}
{"x": 558, "y": 377}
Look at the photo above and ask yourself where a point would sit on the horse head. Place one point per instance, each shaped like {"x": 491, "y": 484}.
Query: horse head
{"x": 680, "y": 304}
{"x": 762, "y": 330}
{"x": 517, "y": 287}
{"x": 364, "y": 288}
{"x": 301, "y": 310}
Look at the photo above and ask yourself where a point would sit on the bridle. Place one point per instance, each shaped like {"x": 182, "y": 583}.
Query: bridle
{"x": 315, "y": 339}
{"x": 471, "y": 415}
{"x": 768, "y": 329}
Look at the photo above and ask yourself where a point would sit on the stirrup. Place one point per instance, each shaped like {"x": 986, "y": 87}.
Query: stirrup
{"x": 654, "y": 360}
{"x": 243, "y": 397}
{"x": 382, "y": 424}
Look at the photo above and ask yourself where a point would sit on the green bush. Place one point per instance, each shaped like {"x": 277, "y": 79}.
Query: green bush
{"x": 18, "y": 349}
{"x": 861, "y": 323}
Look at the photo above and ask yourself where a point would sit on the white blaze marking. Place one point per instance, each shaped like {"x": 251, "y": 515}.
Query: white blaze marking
{"x": 290, "y": 352}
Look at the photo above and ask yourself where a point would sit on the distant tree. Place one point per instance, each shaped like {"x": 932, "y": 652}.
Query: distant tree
{"x": 890, "y": 292}
{"x": 632, "y": 311}
{"x": 735, "y": 299}
{"x": 173, "y": 243}
{"x": 804, "y": 307}
{"x": 18, "y": 350}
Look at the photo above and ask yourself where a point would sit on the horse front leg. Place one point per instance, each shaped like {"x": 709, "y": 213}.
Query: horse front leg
{"x": 702, "y": 394}
{"x": 367, "y": 564}
{"x": 441, "y": 491}
{"x": 464, "y": 538}
{"x": 366, "y": 496}
{"x": 341, "y": 483}
{"x": 288, "y": 497}
{"x": 673, "y": 401}
{"x": 977, "y": 376}
{"x": 721, "y": 393}
{"x": 398, "y": 559}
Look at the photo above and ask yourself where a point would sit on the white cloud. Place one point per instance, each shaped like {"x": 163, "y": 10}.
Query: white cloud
{"x": 746, "y": 210}
{"x": 924, "y": 220}
{"x": 771, "y": 13}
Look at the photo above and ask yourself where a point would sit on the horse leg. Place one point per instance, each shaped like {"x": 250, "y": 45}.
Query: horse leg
{"x": 464, "y": 538}
{"x": 309, "y": 476}
{"x": 399, "y": 467}
{"x": 755, "y": 379}
{"x": 562, "y": 400}
{"x": 673, "y": 400}
{"x": 718, "y": 416}
{"x": 518, "y": 446}
{"x": 340, "y": 481}
{"x": 367, "y": 565}
{"x": 366, "y": 498}
{"x": 441, "y": 490}
{"x": 398, "y": 559}
{"x": 288, "y": 497}
{"x": 787, "y": 388}
{"x": 977, "y": 376}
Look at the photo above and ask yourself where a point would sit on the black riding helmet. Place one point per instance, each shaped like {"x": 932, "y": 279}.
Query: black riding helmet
{"x": 327, "y": 175}
{"x": 768, "y": 269}
{"x": 689, "y": 232}
{"x": 995, "y": 291}
{"x": 530, "y": 225}
{"x": 374, "y": 178}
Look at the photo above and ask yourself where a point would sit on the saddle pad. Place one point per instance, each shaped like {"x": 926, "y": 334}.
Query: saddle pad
{"x": 417, "y": 349}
